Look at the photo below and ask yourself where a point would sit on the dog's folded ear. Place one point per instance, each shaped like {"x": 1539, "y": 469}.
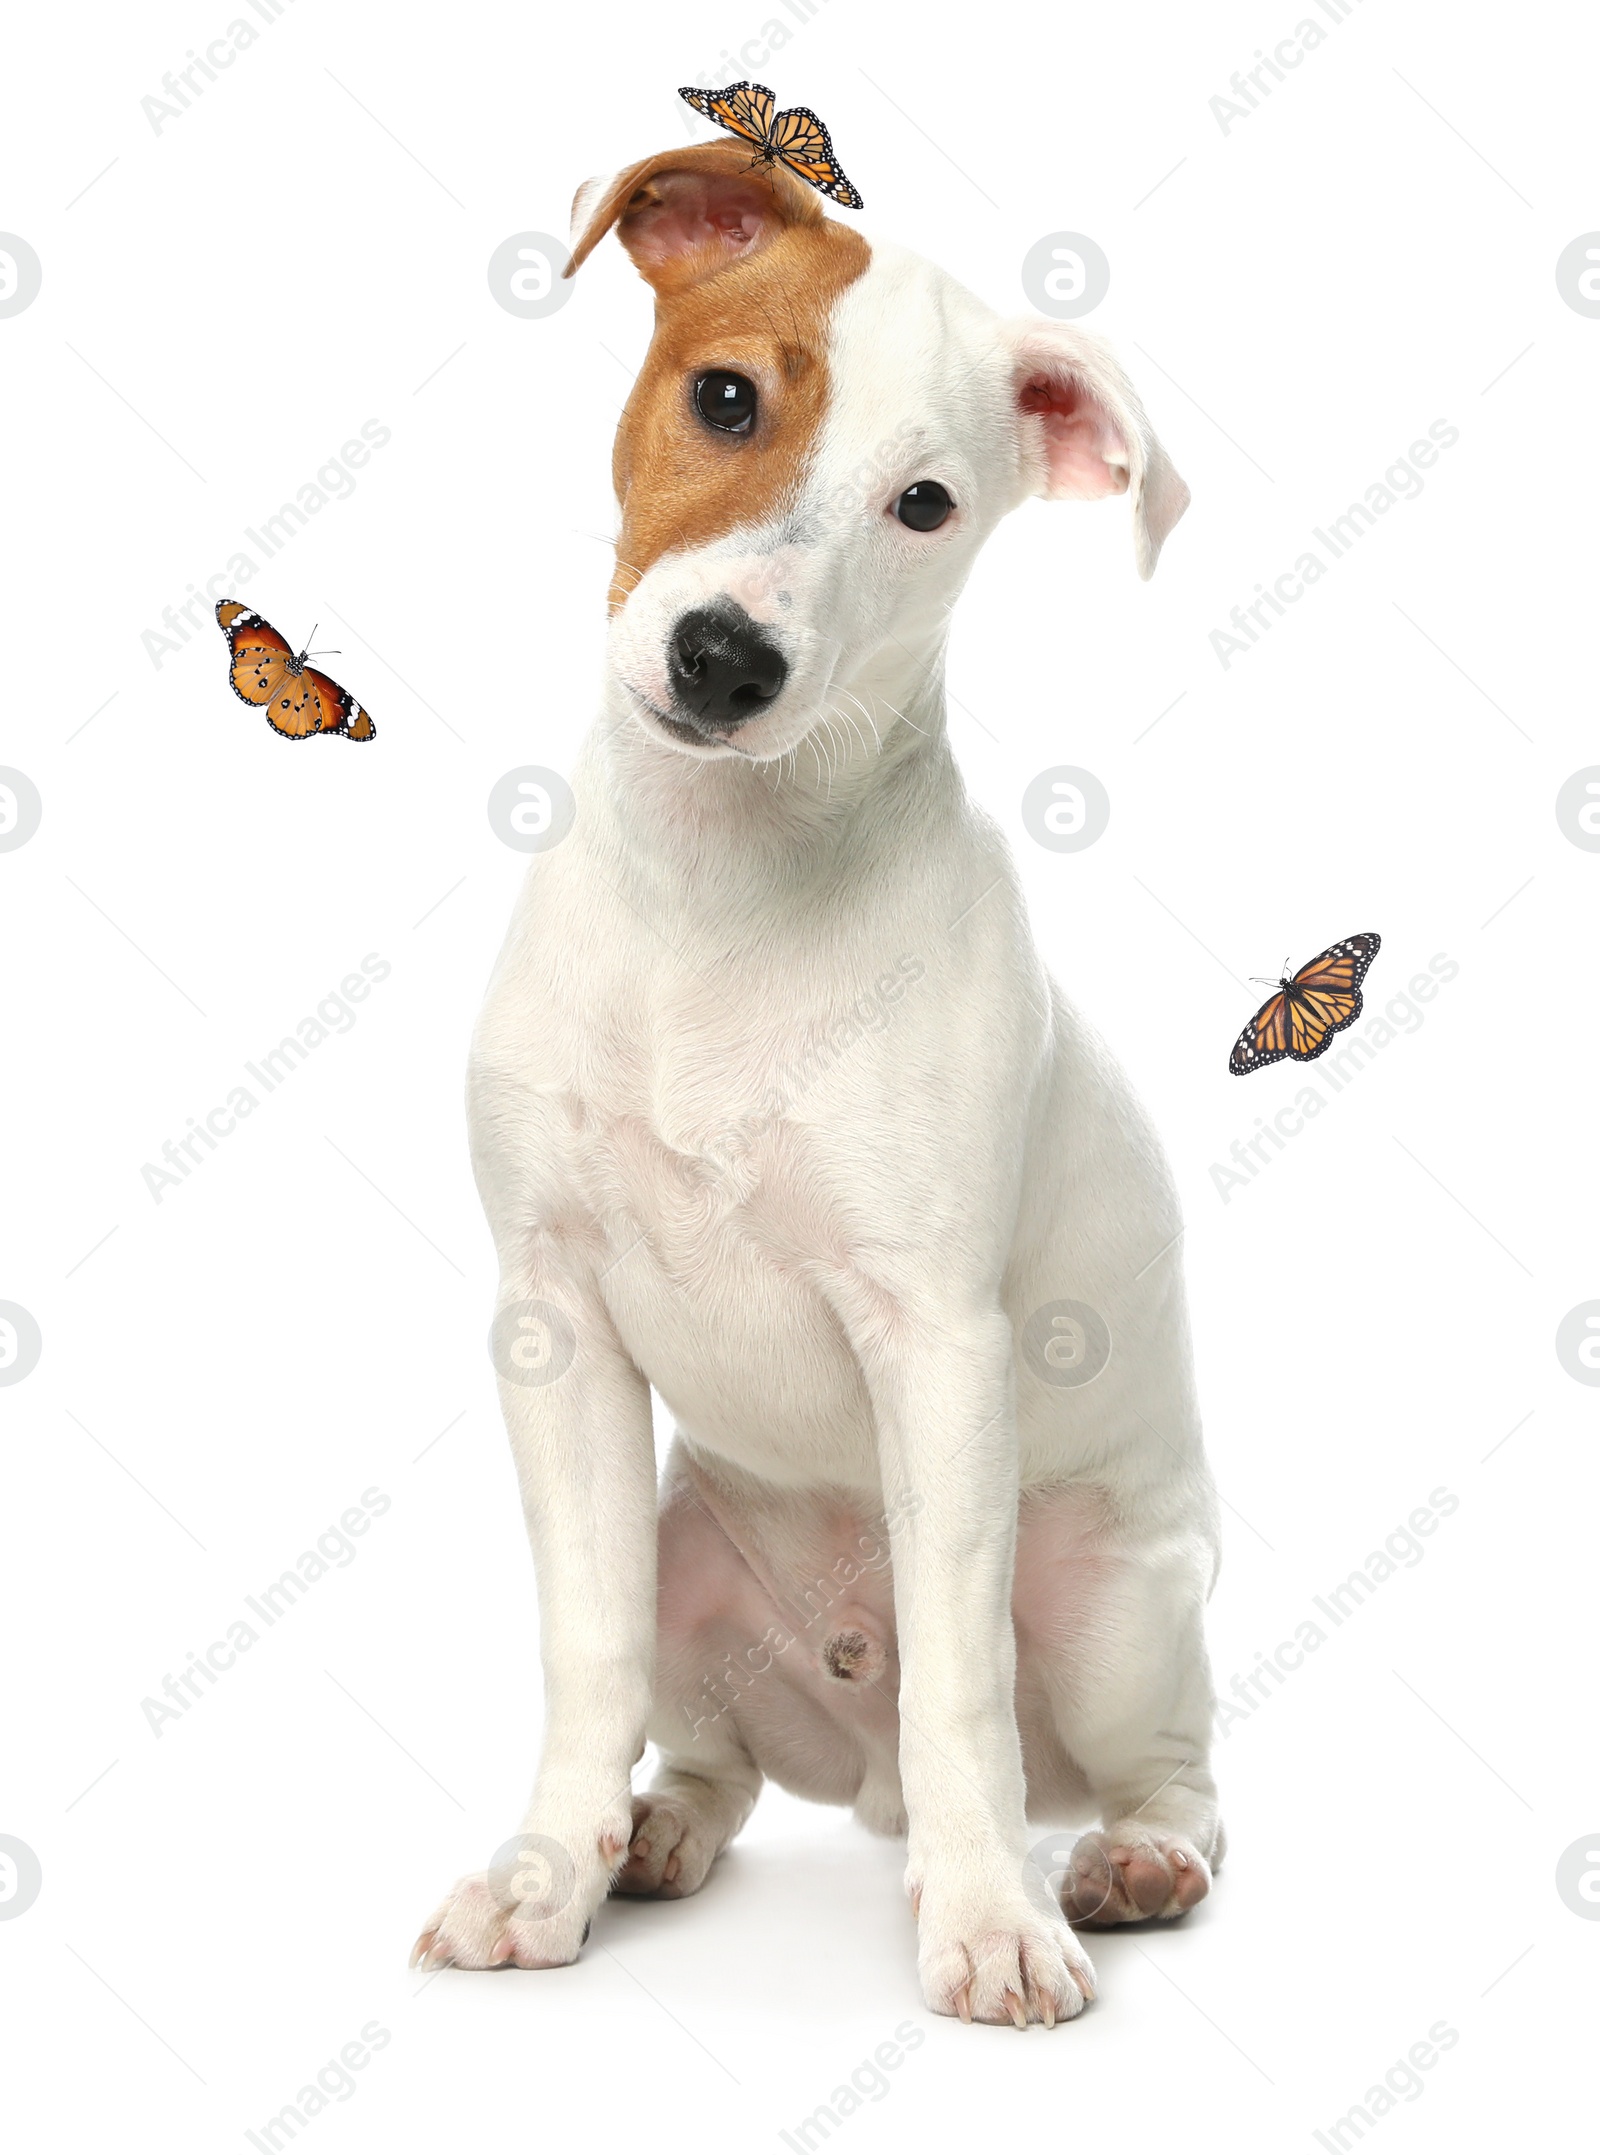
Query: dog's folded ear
{"x": 684, "y": 214}
{"x": 1084, "y": 432}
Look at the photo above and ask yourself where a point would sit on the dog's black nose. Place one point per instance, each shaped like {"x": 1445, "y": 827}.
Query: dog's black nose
{"x": 723, "y": 667}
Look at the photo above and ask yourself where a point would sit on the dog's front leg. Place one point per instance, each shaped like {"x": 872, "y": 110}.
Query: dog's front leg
{"x": 942, "y": 1389}
{"x": 578, "y": 1415}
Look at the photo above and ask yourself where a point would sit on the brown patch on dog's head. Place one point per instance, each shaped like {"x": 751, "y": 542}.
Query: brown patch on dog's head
{"x": 746, "y": 270}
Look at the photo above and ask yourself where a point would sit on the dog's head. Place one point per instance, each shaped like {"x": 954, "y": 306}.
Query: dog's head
{"x": 821, "y": 436}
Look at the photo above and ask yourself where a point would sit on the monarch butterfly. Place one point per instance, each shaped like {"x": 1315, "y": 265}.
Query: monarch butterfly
{"x": 1308, "y": 1009}
{"x": 265, "y": 671}
{"x": 796, "y": 137}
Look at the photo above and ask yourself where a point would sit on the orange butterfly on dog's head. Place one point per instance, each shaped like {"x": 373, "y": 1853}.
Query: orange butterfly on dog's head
{"x": 1308, "y": 1009}
{"x": 796, "y": 138}
{"x": 269, "y": 673}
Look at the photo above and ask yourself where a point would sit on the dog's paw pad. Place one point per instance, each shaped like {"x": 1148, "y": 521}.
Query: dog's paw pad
{"x": 1129, "y": 1873}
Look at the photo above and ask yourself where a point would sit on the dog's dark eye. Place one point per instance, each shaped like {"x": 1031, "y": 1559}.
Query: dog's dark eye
{"x": 925, "y": 506}
{"x": 726, "y": 401}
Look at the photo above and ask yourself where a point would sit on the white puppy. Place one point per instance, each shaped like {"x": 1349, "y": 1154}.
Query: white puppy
{"x": 775, "y": 1109}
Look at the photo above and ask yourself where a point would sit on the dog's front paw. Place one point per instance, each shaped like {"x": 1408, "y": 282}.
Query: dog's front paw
{"x": 1129, "y": 1872}
{"x": 998, "y": 1961}
{"x": 530, "y": 1909}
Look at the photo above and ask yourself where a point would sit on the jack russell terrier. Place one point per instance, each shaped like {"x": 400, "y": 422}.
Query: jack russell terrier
{"x": 775, "y": 1109}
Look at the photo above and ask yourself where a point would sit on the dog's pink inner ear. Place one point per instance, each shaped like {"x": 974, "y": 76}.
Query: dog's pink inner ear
{"x": 1084, "y": 452}
{"x": 677, "y": 215}
{"x": 684, "y": 214}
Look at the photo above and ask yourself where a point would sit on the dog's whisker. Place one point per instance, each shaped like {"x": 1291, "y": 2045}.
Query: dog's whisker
{"x": 872, "y": 725}
{"x": 899, "y": 714}
{"x": 877, "y": 738}
{"x": 845, "y": 720}
{"x": 838, "y": 752}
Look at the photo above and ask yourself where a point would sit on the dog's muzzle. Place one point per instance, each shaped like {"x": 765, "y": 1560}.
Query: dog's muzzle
{"x": 723, "y": 668}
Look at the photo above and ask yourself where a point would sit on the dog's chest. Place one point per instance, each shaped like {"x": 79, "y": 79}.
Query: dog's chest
{"x": 703, "y": 1156}
{"x": 697, "y": 1132}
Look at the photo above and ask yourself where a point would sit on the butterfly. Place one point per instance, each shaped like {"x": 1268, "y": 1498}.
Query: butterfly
{"x": 796, "y": 138}
{"x": 1308, "y": 1009}
{"x": 265, "y": 671}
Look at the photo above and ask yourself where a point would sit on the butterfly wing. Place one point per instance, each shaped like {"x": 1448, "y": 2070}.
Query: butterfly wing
{"x": 806, "y": 147}
{"x": 1325, "y": 996}
{"x": 1265, "y": 1039}
{"x": 743, "y": 108}
{"x": 340, "y": 711}
{"x": 261, "y": 673}
{"x": 1342, "y": 966}
{"x": 297, "y": 711}
{"x": 259, "y": 657}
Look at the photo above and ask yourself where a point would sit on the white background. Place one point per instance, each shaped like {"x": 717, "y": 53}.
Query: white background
{"x": 226, "y": 1905}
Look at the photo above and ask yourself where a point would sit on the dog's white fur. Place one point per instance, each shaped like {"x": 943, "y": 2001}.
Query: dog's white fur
{"x": 773, "y": 1100}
